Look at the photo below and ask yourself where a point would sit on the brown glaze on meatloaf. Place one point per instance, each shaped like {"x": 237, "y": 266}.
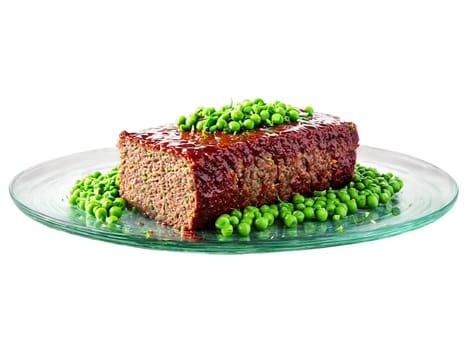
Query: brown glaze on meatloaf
{"x": 187, "y": 179}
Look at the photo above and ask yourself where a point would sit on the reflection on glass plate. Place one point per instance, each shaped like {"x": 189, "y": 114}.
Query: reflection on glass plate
{"x": 41, "y": 193}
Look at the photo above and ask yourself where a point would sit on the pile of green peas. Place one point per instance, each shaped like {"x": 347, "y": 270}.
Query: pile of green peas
{"x": 98, "y": 195}
{"x": 242, "y": 116}
{"x": 366, "y": 191}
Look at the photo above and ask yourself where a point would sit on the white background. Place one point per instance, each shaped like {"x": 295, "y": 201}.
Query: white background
{"x": 74, "y": 74}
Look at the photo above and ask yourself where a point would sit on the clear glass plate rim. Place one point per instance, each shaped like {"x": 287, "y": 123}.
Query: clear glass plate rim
{"x": 71, "y": 227}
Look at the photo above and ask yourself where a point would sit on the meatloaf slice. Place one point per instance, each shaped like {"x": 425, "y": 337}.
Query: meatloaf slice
{"x": 186, "y": 179}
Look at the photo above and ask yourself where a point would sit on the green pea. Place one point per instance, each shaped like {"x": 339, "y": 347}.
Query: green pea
{"x": 119, "y": 202}
{"x": 234, "y": 126}
{"x": 250, "y": 208}
{"x": 90, "y": 207}
{"x": 280, "y": 104}
{"x": 331, "y": 208}
{"x": 222, "y": 221}
{"x": 96, "y": 197}
{"x": 353, "y": 193}
{"x": 73, "y": 199}
{"x": 290, "y": 220}
{"x": 249, "y": 215}
{"x": 112, "y": 219}
{"x": 227, "y": 230}
{"x": 395, "y": 185}
{"x": 244, "y": 229}
{"x": 388, "y": 188}
{"x": 351, "y": 205}
{"x": 248, "y": 124}
{"x": 384, "y": 197}
{"x": 341, "y": 210}
{"x": 283, "y": 212}
{"x": 256, "y": 119}
{"x": 237, "y": 213}
{"x": 192, "y": 119}
{"x": 248, "y": 110}
{"x": 234, "y": 221}
{"x": 395, "y": 211}
{"x": 181, "y": 120}
{"x": 277, "y": 119}
{"x": 361, "y": 201}
{"x": 208, "y": 111}
{"x": 287, "y": 205}
{"x": 280, "y": 110}
{"x": 399, "y": 180}
{"x": 106, "y": 203}
{"x": 375, "y": 189}
{"x": 101, "y": 214}
{"x": 299, "y": 215}
{"x": 336, "y": 217}
{"x": 343, "y": 196}
{"x": 331, "y": 195}
{"x": 298, "y": 198}
{"x": 309, "y": 110}
{"x": 269, "y": 217}
{"x": 264, "y": 208}
{"x": 221, "y": 124}
{"x": 300, "y": 206}
{"x": 368, "y": 182}
{"x": 237, "y": 115}
{"x": 309, "y": 213}
{"x": 264, "y": 114}
{"x": 246, "y": 220}
{"x": 261, "y": 223}
{"x": 321, "y": 214}
{"x": 293, "y": 114}
{"x": 115, "y": 211}
{"x": 359, "y": 186}
{"x": 256, "y": 108}
{"x": 321, "y": 201}
{"x": 372, "y": 201}
{"x": 108, "y": 195}
{"x": 201, "y": 125}
{"x": 82, "y": 204}
{"x": 387, "y": 208}
{"x": 274, "y": 212}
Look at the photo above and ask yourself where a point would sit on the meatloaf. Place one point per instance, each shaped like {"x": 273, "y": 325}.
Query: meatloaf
{"x": 186, "y": 179}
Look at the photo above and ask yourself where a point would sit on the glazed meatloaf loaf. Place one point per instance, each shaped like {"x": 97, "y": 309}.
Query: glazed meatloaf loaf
{"x": 186, "y": 178}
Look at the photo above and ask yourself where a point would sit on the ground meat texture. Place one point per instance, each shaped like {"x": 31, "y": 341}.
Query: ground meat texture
{"x": 159, "y": 184}
{"x": 186, "y": 179}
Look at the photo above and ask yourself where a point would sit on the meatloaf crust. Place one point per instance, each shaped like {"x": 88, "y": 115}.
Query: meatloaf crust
{"x": 186, "y": 179}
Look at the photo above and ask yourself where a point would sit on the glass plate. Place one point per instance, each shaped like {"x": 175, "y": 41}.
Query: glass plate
{"x": 41, "y": 193}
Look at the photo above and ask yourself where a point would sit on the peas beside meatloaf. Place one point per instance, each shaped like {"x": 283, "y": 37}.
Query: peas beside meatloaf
{"x": 186, "y": 179}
